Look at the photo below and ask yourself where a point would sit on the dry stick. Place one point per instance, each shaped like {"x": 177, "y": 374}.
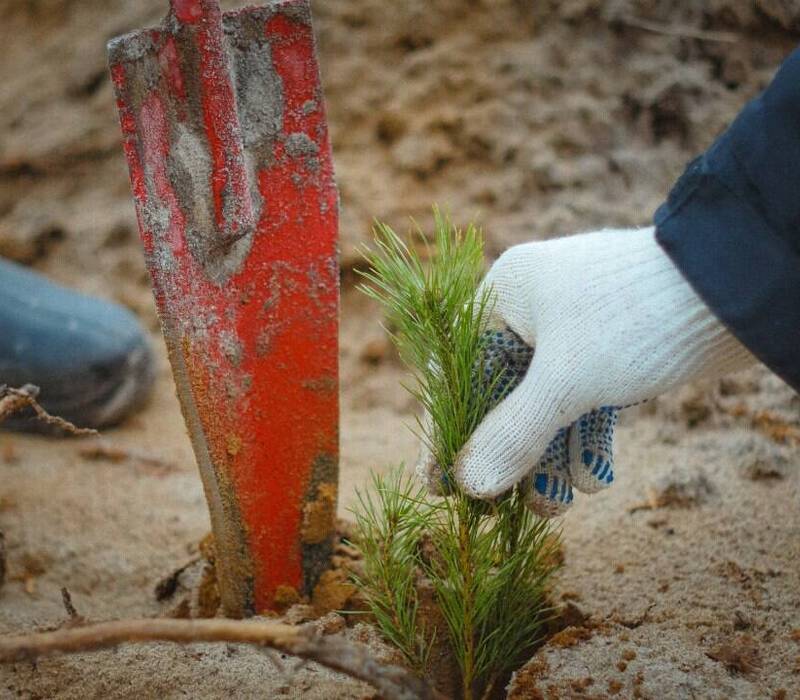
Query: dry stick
{"x": 167, "y": 586}
{"x": 393, "y": 682}
{"x": 14, "y": 400}
{"x": 680, "y": 32}
{"x": 69, "y": 606}
{"x": 102, "y": 450}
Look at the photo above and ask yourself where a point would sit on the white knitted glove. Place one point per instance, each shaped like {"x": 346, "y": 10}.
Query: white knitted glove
{"x": 613, "y": 323}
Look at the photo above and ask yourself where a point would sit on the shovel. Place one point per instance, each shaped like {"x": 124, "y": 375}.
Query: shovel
{"x": 224, "y": 131}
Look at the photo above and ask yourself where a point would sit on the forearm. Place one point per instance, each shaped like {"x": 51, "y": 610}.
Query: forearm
{"x": 732, "y": 225}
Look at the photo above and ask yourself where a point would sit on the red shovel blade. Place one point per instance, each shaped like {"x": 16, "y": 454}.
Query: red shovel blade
{"x": 225, "y": 134}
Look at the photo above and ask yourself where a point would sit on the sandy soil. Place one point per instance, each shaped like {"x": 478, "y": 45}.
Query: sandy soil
{"x": 544, "y": 119}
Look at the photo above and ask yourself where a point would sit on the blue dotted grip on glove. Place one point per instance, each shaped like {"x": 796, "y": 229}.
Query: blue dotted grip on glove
{"x": 591, "y": 447}
{"x": 580, "y": 455}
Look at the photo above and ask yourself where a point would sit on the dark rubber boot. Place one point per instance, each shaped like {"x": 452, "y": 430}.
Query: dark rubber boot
{"x": 89, "y": 357}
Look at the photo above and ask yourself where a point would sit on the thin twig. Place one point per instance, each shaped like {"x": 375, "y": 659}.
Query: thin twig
{"x": 682, "y": 32}
{"x": 639, "y": 506}
{"x": 102, "y": 450}
{"x": 167, "y": 586}
{"x": 338, "y": 654}
{"x": 14, "y": 400}
{"x": 69, "y": 606}
{"x": 75, "y": 619}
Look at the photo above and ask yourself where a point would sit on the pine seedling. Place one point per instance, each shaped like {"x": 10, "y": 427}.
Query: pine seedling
{"x": 491, "y": 562}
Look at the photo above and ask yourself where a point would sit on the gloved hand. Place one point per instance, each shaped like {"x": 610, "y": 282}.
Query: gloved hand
{"x": 507, "y": 357}
{"x": 613, "y": 323}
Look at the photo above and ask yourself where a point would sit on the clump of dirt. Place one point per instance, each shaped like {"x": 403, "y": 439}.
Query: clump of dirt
{"x": 739, "y": 654}
{"x": 195, "y": 585}
{"x": 333, "y": 591}
{"x": 570, "y": 636}
{"x": 319, "y": 515}
{"x": 763, "y": 460}
{"x": 525, "y": 683}
{"x": 680, "y": 488}
{"x": 285, "y": 597}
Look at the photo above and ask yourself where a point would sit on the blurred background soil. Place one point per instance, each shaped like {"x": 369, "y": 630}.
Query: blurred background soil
{"x": 538, "y": 117}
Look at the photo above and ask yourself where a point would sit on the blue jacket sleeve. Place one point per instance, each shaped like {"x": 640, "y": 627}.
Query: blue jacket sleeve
{"x": 731, "y": 224}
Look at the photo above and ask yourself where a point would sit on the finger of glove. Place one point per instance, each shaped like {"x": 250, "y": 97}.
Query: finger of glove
{"x": 513, "y": 436}
{"x": 591, "y": 450}
{"x": 506, "y": 305}
{"x": 548, "y": 489}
